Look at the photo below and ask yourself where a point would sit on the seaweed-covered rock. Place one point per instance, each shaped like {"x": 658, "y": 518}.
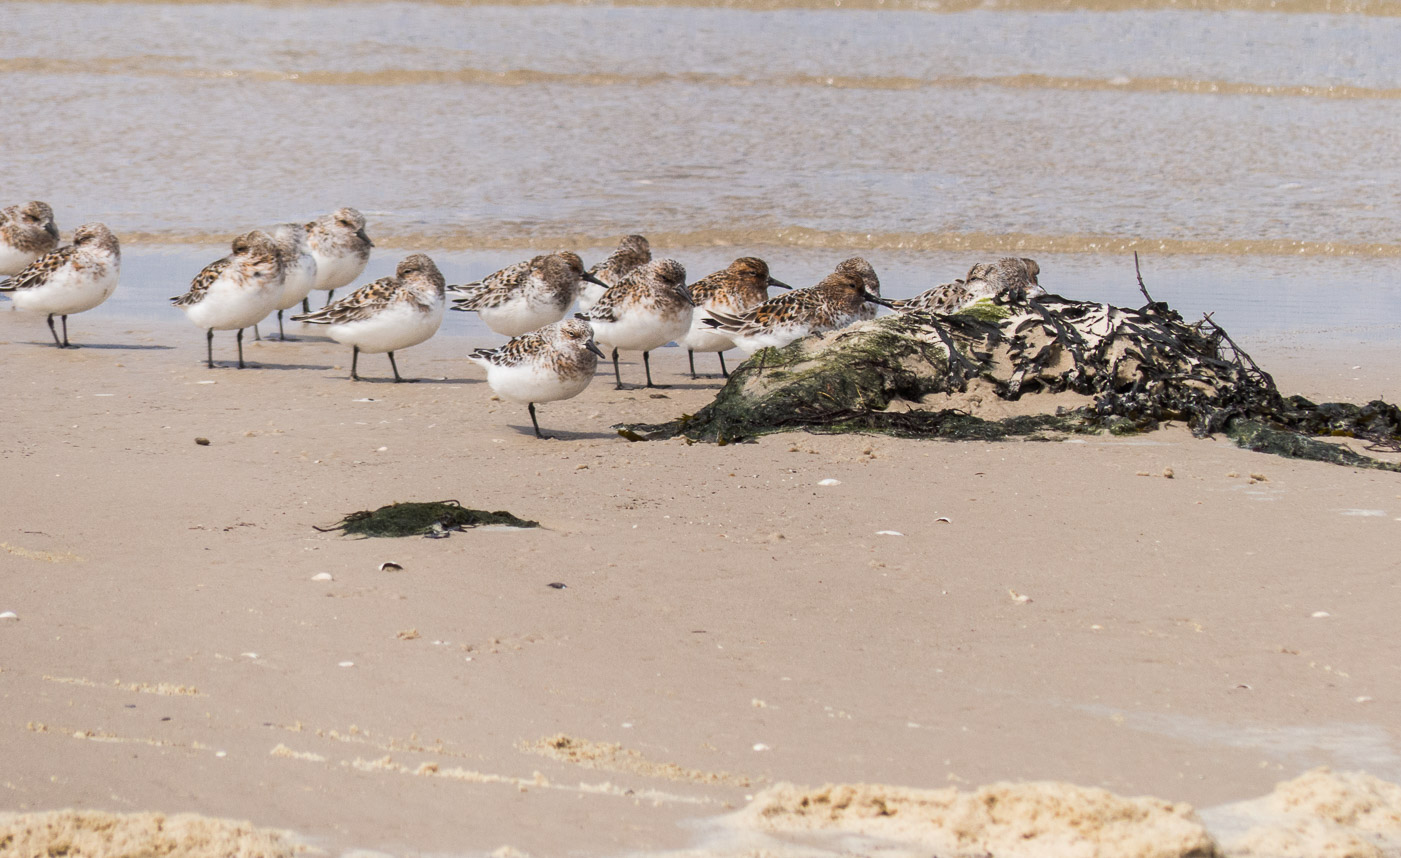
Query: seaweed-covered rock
{"x": 1074, "y": 366}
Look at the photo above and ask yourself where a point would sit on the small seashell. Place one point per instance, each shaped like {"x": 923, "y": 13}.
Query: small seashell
{"x": 1018, "y": 597}
{"x": 760, "y": 746}
{"x": 556, "y": 585}
{"x": 945, "y": 519}
{"x": 322, "y": 576}
{"x": 1363, "y": 699}
{"x": 346, "y": 664}
{"x": 1318, "y": 615}
{"x": 366, "y": 399}
{"x": 203, "y": 442}
{"x": 249, "y": 654}
{"x": 829, "y": 482}
{"x": 1167, "y": 472}
{"x": 1259, "y": 478}
{"x": 390, "y": 566}
{"x": 222, "y": 754}
{"x": 889, "y": 533}
{"x": 9, "y": 615}
{"x": 381, "y": 449}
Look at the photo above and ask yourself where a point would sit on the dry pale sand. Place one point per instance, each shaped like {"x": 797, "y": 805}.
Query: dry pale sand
{"x": 1049, "y": 613}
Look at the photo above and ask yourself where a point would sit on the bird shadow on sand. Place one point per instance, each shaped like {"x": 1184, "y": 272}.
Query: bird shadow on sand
{"x": 561, "y": 434}
{"x": 408, "y": 379}
{"x": 134, "y": 347}
{"x": 252, "y": 364}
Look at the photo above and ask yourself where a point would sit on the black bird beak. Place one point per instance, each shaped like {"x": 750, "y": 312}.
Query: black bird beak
{"x": 593, "y": 347}
{"x": 594, "y": 280}
{"x": 52, "y": 229}
{"x": 363, "y": 237}
{"x": 779, "y": 283}
{"x": 878, "y": 300}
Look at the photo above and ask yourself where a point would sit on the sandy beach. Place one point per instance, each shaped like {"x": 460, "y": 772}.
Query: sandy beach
{"x": 1041, "y": 612}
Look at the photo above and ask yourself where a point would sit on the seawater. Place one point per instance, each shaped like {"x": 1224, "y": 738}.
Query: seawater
{"x": 1249, "y": 151}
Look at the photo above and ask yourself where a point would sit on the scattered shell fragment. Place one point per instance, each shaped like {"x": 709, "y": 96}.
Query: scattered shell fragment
{"x": 1318, "y": 615}
{"x": 9, "y": 615}
{"x": 1259, "y": 478}
{"x": 829, "y": 482}
{"x": 889, "y": 533}
{"x": 346, "y": 664}
{"x": 1018, "y": 597}
{"x": 945, "y": 519}
{"x": 760, "y": 746}
{"x": 1363, "y": 699}
{"x": 557, "y": 585}
{"x": 1167, "y": 472}
{"x": 408, "y": 635}
{"x": 390, "y": 566}
{"x": 202, "y": 441}
{"x": 322, "y": 576}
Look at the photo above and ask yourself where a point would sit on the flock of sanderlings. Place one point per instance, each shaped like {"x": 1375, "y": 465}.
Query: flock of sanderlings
{"x": 630, "y": 301}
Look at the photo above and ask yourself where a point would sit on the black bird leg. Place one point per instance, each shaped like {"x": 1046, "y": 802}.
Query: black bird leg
{"x": 536, "y": 423}
{"x": 646, "y": 362}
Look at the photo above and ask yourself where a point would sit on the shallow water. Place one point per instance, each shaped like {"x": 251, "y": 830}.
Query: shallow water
{"x": 1251, "y": 157}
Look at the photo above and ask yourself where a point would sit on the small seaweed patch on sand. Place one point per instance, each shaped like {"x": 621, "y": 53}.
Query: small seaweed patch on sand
{"x": 96, "y": 834}
{"x": 613, "y": 757}
{"x": 420, "y": 518}
{"x": 1006, "y": 820}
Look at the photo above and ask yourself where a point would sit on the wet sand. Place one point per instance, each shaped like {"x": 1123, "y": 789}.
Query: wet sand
{"x": 727, "y": 623}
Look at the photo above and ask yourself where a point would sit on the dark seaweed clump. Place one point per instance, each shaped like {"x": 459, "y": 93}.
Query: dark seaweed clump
{"x": 1141, "y": 367}
{"x": 418, "y": 518}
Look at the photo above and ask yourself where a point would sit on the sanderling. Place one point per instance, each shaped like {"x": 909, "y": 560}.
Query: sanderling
{"x": 649, "y": 308}
{"x": 831, "y": 304}
{"x": 632, "y": 252}
{"x": 235, "y": 292}
{"x": 71, "y": 279}
{"x": 387, "y": 315}
{"x": 860, "y": 267}
{"x": 341, "y": 247}
{"x": 526, "y": 295}
{"x": 298, "y": 268}
{"x": 552, "y": 363}
{"x": 1006, "y": 279}
{"x": 743, "y": 285}
{"x": 27, "y": 232}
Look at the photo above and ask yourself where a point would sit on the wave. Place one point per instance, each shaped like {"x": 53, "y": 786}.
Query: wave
{"x": 171, "y": 67}
{"x": 1377, "y": 8}
{"x": 801, "y": 237}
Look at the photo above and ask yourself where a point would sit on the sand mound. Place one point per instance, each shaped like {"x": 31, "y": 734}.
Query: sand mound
{"x": 1002, "y": 820}
{"x": 96, "y": 834}
{"x": 1324, "y": 814}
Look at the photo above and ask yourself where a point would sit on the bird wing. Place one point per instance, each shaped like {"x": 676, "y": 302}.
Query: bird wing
{"x": 38, "y": 272}
{"x": 202, "y": 282}
{"x": 361, "y": 304}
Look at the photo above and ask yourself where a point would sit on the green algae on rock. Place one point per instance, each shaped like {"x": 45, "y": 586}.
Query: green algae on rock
{"x": 419, "y": 518}
{"x": 1026, "y": 369}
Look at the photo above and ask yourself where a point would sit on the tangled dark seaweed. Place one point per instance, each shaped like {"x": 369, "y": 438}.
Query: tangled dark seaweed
{"x": 1140, "y": 367}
